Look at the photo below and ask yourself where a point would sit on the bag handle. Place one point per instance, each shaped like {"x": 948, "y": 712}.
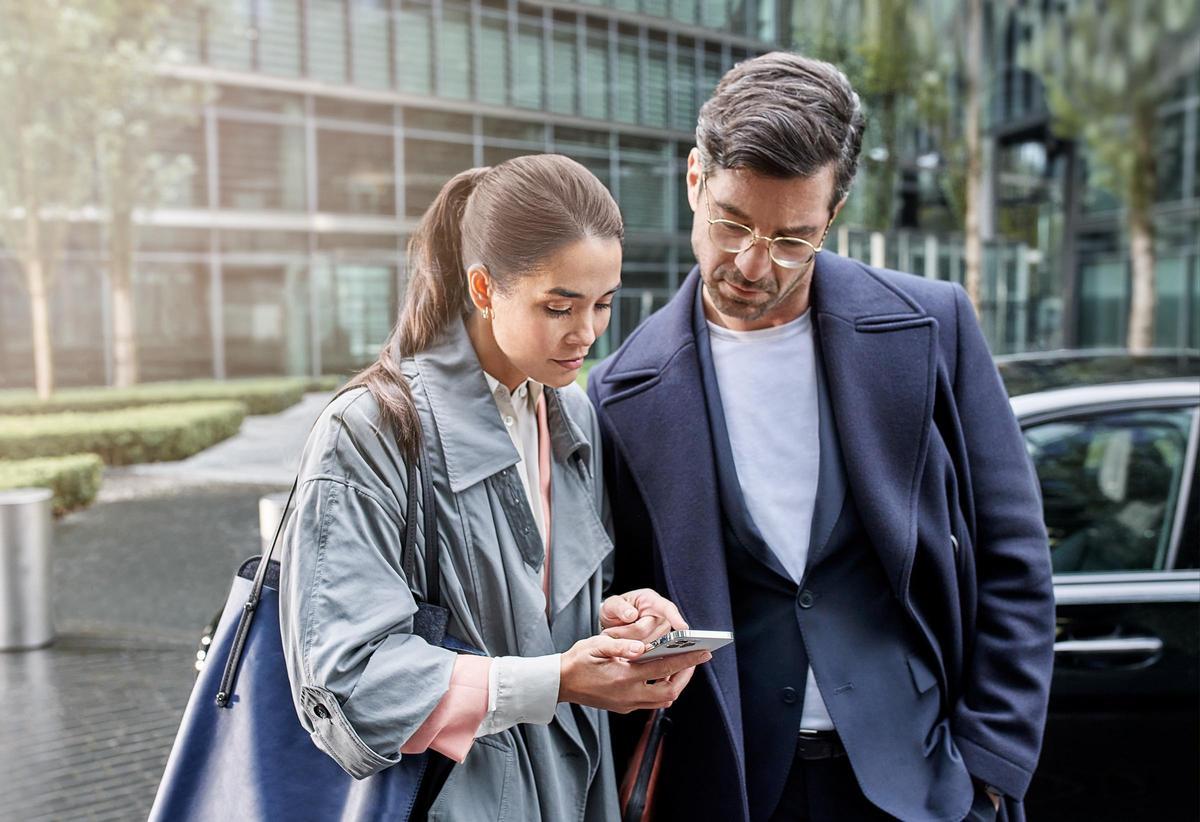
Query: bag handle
{"x": 408, "y": 557}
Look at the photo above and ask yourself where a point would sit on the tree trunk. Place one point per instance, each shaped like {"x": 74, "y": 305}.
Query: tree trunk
{"x": 1141, "y": 304}
{"x": 38, "y": 282}
{"x": 124, "y": 320}
{"x": 884, "y": 200}
{"x": 1139, "y": 207}
{"x": 973, "y": 240}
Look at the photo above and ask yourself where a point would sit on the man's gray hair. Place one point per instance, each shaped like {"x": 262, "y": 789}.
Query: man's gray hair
{"x": 783, "y": 115}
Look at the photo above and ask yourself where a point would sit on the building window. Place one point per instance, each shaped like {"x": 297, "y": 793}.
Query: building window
{"x": 454, "y": 52}
{"x": 355, "y": 173}
{"x": 327, "y": 40}
{"x": 645, "y": 171}
{"x": 279, "y": 37}
{"x": 683, "y": 86}
{"x": 371, "y": 59}
{"x": 414, "y": 34}
{"x": 491, "y": 63}
{"x": 628, "y": 79}
{"x": 564, "y": 76}
{"x": 173, "y": 325}
{"x": 685, "y": 11}
{"x": 262, "y": 166}
{"x": 528, "y": 90}
{"x": 595, "y": 73}
{"x": 715, "y": 14}
{"x": 231, "y": 35}
{"x": 657, "y": 85}
{"x": 428, "y": 164}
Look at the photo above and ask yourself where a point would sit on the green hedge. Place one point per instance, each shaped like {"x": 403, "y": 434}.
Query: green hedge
{"x": 148, "y": 434}
{"x": 260, "y": 395}
{"x": 74, "y": 479}
{"x": 329, "y": 382}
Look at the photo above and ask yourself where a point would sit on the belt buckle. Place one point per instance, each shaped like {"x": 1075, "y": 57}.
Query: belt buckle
{"x": 813, "y": 745}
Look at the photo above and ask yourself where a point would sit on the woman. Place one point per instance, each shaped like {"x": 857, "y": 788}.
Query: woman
{"x": 512, "y": 276}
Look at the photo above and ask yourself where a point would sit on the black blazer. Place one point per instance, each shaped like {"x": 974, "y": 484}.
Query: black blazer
{"x": 944, "y": 488}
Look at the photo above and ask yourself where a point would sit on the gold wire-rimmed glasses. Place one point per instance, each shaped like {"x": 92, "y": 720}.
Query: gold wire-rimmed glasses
{"x": 734, "y": 238}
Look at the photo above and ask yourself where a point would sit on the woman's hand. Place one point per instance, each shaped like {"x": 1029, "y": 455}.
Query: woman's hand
{"x": 643, "y": 614}
{"x": 597, "y": 671}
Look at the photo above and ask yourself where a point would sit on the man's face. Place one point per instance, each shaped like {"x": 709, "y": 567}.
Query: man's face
{"x": 748, "y": 290}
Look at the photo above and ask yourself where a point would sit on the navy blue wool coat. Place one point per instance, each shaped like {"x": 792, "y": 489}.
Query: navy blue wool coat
{"x": 931, "y": 448}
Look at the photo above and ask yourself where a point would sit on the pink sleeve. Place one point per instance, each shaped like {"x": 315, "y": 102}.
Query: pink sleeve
{"x": 450, "y": 729}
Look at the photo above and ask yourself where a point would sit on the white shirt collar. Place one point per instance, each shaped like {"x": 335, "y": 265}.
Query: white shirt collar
{"x": 529, "y": 390}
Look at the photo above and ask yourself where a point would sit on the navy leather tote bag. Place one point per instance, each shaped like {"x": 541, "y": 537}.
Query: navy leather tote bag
{"x": 241, "y": 752}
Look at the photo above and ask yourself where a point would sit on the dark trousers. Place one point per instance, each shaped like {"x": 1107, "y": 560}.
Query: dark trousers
{"x": 825, "y": 790}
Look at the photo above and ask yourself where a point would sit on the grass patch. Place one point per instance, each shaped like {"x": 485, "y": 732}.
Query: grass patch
{"x": 152, "y": 433}
{"x": 74, "y": 479}
{"x": 266, "y": 395}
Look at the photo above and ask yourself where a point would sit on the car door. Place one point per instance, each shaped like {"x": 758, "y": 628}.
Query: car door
{"x": 1119, "y": 487}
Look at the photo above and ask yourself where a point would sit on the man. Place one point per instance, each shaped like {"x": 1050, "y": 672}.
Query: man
{"x": 819, "y": 456}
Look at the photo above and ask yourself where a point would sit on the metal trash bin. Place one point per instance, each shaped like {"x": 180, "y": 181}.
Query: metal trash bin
{"x": 270, "y": 511}
{"x": 26, "y": 616}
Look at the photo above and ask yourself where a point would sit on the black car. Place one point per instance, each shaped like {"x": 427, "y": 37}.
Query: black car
{"x": 1117, "y": 465}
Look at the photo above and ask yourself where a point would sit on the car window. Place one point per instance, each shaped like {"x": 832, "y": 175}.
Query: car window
{"x": 1110, "y": 487}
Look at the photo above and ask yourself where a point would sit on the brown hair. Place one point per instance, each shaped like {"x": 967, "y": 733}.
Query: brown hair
{"x": 783, "y": 115}
{"x": 508, "y": 218}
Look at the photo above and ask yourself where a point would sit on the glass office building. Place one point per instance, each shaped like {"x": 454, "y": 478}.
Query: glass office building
{"x": 331, "y": 127}
{"x": 332, "y": 124}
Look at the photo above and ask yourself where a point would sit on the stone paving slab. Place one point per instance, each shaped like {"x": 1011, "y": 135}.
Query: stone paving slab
{"x": 89, "y": 726}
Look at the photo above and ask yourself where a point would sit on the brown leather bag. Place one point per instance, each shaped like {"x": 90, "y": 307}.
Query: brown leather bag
{"x": 637, "y": 789}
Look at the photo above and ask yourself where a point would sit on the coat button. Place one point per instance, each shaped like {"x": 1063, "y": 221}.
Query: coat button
{"x": 806, "y": 599}
{"x": 321, "y": 711}
{"x": 789, "y": 696}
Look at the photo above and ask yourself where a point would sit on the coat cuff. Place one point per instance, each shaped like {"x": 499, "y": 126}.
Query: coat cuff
{"x": 450, "y": 729}
{"x": 521, "y": 690}
{"x": 992, "y": 770}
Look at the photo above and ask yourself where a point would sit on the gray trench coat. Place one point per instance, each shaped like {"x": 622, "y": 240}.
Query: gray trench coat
{"x": 346, "y": 608}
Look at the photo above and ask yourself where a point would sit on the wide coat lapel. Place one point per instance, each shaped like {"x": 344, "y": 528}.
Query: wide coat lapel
{"x": 657, "y": 418}
{"x": 879, "y": 350}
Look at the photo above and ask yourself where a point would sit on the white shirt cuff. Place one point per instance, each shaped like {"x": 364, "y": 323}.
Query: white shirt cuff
{"x": 521, "y": 690}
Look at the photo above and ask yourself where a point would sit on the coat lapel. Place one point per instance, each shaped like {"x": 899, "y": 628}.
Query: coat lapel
{"x": 658, "y": 420}
{"x": 878, "y": 350}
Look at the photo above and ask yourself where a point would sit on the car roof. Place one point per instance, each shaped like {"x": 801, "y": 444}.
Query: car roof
{"x": 1044, "y": 370}
{"x": 1063, "y": 399}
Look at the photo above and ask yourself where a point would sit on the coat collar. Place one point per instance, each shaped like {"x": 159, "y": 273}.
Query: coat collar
{"x": 475, "y": 444}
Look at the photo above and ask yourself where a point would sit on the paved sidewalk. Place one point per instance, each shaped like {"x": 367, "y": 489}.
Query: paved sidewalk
{"x": 266, "y": 451}
{"x": 90, "y": 720}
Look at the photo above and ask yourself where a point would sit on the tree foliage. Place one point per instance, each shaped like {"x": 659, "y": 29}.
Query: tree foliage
{"x": 1107, "y": 68}
{"x": 84, "y": 108}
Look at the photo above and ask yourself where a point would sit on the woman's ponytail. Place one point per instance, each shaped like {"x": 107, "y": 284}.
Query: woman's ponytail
{"x": 435, "y": 296}
{"x": 437, "y": 284}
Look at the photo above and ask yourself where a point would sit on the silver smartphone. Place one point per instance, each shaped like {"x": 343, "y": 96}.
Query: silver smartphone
{"x": 682, "y": 642}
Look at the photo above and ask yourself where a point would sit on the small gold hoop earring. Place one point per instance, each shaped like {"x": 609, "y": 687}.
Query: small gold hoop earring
{"x": 486, "y": 312}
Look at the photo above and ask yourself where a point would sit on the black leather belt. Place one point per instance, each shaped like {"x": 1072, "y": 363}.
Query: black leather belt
{"x": 812, "y": 745}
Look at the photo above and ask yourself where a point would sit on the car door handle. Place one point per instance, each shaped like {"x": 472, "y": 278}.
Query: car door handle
{"x": 1117, "y": 645}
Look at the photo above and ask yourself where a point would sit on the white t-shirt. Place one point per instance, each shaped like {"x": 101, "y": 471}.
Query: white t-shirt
{"x": 768, "y": 382}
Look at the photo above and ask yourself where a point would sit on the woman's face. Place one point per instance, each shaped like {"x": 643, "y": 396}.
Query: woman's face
{"x": 544, "y": 322}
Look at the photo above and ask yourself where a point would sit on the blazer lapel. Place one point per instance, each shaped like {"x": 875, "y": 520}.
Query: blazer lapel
{"x": 879, "y": 352}
{"x": 831, "y": 472}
